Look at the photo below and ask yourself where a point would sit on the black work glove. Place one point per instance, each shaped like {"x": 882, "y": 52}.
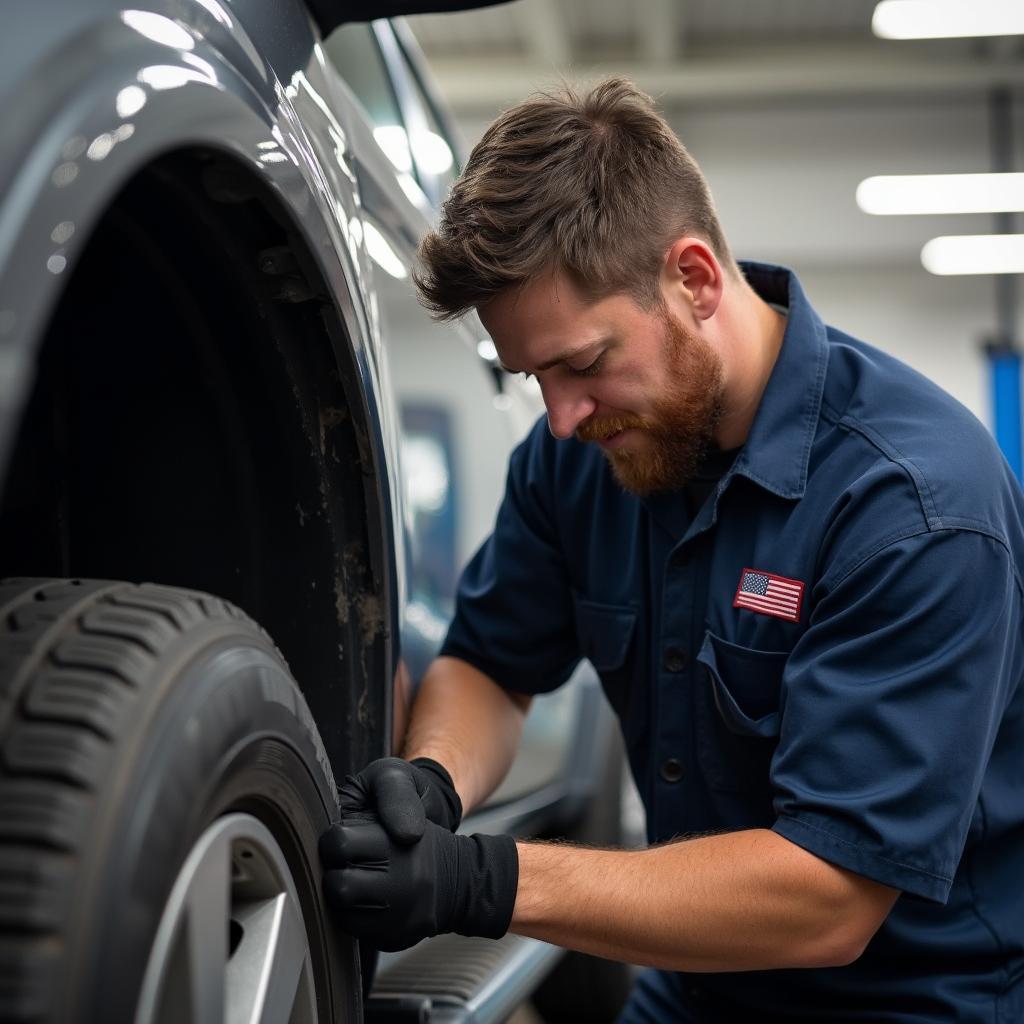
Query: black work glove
{"x": 392, "y": 895}
{"x": 403, "y": 795}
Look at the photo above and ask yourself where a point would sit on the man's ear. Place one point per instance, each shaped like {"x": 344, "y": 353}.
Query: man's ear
{"x": 691, "y": 273}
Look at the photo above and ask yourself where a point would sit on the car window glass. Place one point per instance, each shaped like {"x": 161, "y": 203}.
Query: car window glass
{"x": 354, "y": 51}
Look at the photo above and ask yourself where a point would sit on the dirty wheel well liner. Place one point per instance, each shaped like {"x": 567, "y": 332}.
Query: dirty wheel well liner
{"x": 196, "y": 421}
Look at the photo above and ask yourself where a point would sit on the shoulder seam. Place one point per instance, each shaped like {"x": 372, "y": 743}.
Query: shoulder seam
{"x": 894, "y": 455}
{"x": 906, "y": 532}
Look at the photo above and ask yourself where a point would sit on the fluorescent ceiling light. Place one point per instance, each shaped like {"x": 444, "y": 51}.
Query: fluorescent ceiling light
{"x": 890, "y": 194}
{"x": 974, "y": 254}
{"x": 944, "y": 19}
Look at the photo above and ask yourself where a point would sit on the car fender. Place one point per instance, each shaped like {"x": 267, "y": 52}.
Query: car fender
{"x": 129, "y": 86}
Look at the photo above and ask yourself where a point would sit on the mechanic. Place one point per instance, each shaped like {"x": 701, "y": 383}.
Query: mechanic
{"x": 795, "y": 564}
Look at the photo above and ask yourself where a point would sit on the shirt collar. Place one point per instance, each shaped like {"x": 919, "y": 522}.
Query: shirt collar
{"x": 778, "y": 447}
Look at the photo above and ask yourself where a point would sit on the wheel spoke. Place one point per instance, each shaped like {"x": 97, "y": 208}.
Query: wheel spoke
{"x": 231, "y": 947}
{"x": 207, "y": 915}
{"x": 264, "y": 972}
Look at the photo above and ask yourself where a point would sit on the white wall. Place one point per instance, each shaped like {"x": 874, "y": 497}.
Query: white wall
{"x": 784, "y": 181}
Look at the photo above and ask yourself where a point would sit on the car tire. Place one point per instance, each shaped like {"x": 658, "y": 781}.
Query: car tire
{"x": 162, "y": 789}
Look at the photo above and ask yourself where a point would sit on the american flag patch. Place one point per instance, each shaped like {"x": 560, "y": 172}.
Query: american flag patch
{"x": 769, "y": 594}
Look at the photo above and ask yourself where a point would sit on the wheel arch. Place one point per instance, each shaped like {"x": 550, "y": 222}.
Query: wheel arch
{"x": 203, "y": 414}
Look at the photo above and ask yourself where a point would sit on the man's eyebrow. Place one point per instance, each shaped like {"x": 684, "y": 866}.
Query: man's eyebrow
{"x": 562, "y": 357}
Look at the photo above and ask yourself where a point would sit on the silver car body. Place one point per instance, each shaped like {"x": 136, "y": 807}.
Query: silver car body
{"x": 92, "y": 92}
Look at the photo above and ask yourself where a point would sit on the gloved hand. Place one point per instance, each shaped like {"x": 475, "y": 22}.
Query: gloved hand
{"x": 403, "y": 795}
{"x": 392, "y": 895}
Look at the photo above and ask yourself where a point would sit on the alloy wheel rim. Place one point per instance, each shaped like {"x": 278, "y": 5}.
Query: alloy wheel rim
{"x": 232, "y": 945}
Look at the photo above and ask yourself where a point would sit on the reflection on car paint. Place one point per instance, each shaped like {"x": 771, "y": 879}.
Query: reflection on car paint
{"x": 382, "y": 254}
{"x": 159, "y": 29}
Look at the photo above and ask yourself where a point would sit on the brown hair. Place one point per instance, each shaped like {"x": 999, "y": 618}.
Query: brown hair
{"x": 595, "y": 185}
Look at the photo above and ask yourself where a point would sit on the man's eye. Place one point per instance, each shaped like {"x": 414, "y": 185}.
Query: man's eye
{"x": 589, "y": 371}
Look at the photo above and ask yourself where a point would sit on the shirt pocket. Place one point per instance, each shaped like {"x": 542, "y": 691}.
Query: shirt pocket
{"x": 606, "y": 633}
{"x": 738, "y": 716}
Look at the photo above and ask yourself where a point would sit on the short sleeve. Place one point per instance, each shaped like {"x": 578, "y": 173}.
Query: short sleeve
{"x": 513, "y": 613}
{"x": 892, "y": 700}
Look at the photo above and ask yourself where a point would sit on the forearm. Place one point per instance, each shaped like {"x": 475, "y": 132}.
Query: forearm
{"x": 468, "y": 723}
{"x": 746, "y": 900}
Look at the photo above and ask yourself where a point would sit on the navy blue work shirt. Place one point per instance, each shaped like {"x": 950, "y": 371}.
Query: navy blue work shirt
{"x": 831, "y": 647}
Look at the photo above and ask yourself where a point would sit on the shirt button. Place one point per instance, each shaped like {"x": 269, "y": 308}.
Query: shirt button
{"x": 672, "y": 770}
{"x": 674, "y": 659}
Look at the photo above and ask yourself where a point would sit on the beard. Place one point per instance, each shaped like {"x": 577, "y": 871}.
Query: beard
{"x": 680, "y": 428}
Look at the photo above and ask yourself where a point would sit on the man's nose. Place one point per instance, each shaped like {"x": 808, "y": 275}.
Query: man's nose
{"x": 567, "y": 409}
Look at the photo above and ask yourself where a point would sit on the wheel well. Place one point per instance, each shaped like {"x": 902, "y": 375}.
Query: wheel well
{"x": 196, "y": 421}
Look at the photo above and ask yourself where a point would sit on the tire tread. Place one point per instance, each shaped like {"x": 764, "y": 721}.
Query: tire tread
{"x": 37, "y": 812}
{"x": 76, "y": 658}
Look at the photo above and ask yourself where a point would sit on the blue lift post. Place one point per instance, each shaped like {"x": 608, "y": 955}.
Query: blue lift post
{"x": 1004, "y": 356}
{"x": 1004, "y": 365}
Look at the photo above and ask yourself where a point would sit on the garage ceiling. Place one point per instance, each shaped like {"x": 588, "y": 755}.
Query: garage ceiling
{"x": 701, "y": 51}
{"x": 613, "y": 25}
{"x": 787, "y": 105}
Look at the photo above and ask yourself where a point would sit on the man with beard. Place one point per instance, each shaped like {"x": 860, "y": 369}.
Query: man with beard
{"x": 794, "y": 563}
